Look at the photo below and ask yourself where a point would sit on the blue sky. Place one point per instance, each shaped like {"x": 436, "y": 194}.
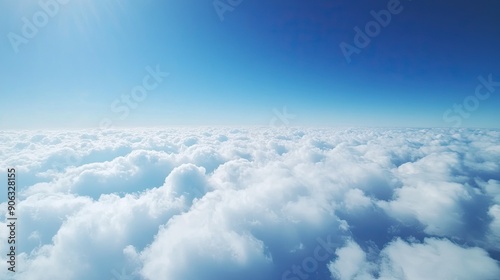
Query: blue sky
{"x": 263, "y": 55}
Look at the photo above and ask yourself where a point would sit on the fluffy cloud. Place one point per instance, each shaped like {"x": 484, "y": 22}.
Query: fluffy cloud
{"x": 255, "y": 203}
{"x": 432, "y": 259}
{"x": 494, "y": 228}
{"x": 351, "y": 263}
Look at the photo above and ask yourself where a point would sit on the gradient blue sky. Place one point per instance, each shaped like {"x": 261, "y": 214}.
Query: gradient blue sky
{"x": 263, "y": 55}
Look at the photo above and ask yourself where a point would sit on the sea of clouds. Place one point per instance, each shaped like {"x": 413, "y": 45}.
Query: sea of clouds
{"x": 254, "y": 203}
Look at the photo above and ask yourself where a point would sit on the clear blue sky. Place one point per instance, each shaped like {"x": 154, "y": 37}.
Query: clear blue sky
{"x": 263, "y": 55}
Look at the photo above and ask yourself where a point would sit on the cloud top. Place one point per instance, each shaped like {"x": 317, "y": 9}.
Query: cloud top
{"x": 256, "y": 203}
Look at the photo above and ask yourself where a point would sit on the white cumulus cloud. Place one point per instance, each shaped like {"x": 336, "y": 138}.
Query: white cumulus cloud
{"x": 254, "y": 203}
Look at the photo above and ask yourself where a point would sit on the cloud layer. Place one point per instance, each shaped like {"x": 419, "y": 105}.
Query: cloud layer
{"x": 255, "y": 203}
